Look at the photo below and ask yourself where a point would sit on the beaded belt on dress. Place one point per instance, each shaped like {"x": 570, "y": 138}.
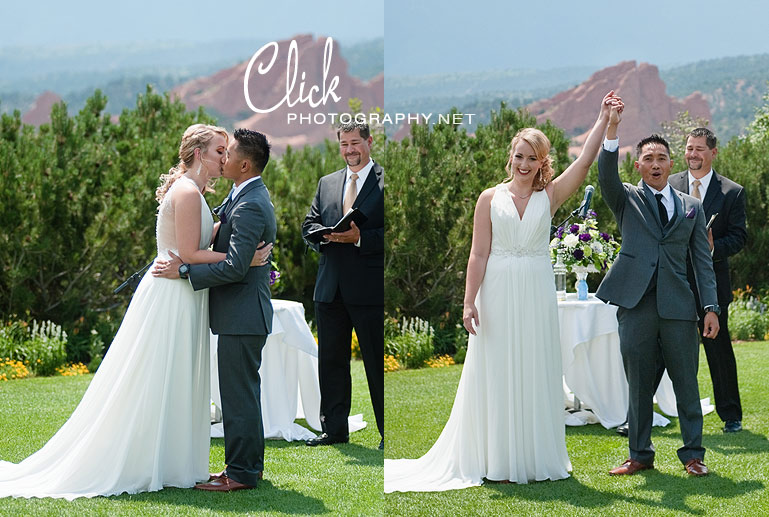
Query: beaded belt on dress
{"x": 520, "y": 252}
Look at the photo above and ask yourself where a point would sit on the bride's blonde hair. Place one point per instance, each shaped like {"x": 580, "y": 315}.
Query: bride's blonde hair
{"x": 197, "y": 136}
{"x": 541, "y": 145}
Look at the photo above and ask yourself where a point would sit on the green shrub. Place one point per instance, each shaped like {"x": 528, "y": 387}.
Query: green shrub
{"x": 42, "y": 346}
{"x": 459, "y": 357}
{"x": 748, "y": 319}
{"x": 414, "y": 345}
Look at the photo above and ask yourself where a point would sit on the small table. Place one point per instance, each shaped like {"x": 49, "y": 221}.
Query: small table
{"x": 592, "y": 361}
{"x": 289, "y": 373}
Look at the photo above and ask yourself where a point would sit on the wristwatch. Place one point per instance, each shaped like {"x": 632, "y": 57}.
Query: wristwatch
{"x": 712, "y": 308}
{"x": 184, "y": 271}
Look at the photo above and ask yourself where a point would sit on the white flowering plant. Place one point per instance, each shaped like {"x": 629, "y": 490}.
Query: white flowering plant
{"x": 582, "y": 245}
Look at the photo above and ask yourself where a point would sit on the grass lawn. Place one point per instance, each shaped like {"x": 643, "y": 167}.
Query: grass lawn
{"x": 299, "y": 480}
{"x": 418, "y": 403}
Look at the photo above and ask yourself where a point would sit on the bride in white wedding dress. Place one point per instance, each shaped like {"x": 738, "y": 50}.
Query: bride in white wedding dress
{"x": 144, "y": 421}
{"x": 507, "y": 422}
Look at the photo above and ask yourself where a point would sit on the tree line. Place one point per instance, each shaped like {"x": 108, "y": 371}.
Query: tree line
{"x": 78, "y": 208}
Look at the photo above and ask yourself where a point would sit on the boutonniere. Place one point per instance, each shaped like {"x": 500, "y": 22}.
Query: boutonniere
{"x": 690, "y": 213}
{"x": 219, "y": 212}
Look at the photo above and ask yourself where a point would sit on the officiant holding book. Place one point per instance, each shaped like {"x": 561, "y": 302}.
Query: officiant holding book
{"x": 349, "y": 289}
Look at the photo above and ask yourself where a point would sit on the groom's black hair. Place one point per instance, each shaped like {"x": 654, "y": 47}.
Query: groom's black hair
{"x": 653, "y": 139}
{"x": 253, "y": 146}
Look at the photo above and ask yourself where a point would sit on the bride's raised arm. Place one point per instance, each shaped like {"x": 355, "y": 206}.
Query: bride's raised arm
{"x": 570, "y": 180}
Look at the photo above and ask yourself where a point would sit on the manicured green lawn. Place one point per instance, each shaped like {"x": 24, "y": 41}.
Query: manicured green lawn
{"x": 299, "y": 480}
{"x": 418, "y": 403}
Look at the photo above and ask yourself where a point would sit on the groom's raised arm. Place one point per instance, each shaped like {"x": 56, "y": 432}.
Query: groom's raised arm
{"x": 612, "y": 189}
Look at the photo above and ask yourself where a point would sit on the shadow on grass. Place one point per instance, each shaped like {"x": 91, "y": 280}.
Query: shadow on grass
{"x": 359, "y": 455}
{"x": 666, "y": 492}
{"x": 265, "y": 498}
{"x": 742, "y": 442}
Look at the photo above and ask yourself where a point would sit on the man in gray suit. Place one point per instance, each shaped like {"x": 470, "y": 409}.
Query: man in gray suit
{"x": 239, "y": 307}
{"x": 656, "y": 308}
{"x": 349, "y": 290}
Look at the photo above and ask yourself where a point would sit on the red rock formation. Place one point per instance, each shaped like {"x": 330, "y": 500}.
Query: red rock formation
{"x": 223, "y": 93}
{"x": 646, "y": 104}
{"x": 40, "y": 112}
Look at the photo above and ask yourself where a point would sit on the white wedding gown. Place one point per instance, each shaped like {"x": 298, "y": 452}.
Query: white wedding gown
{"x": 507, "y": 422}
{"x": 144, "y": 421}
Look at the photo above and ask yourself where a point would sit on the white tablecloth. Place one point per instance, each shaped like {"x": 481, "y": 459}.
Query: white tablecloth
{"x": 592, "y": 362}
{"x": 289, "y": 373}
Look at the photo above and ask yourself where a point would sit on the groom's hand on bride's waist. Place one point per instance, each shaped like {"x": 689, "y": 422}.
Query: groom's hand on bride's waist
{"x": 167, "y": 268}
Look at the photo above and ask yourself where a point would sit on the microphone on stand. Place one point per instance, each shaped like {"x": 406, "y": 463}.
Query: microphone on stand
{"x": 585, "y": 206}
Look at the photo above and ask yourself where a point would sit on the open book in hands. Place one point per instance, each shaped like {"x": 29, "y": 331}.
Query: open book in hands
{"x": 343, "y": 225}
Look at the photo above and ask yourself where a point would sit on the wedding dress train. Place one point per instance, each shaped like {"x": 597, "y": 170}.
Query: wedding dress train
{"x": 144, "y": 421}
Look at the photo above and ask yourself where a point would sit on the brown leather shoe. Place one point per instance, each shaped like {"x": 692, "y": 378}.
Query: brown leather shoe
{"x": 223, "y": 484}
{"x": 217, "y": 475}
{"x": 695, "y": 467}
{"x": 630, "y": 467}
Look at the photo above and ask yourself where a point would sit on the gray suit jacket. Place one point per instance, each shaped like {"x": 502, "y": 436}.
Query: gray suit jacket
{"x": 239, "y": 299}
{"x": 648, "y": 248}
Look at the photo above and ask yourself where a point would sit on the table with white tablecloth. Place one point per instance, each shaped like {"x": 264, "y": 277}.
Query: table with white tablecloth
{"x": 592, "y": 362}
{"x": 289, "y": 374}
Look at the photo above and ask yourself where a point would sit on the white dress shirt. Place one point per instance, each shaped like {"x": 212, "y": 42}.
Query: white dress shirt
{"x": 362, "y": 175}
{"x": 704, "y": 183}
{"x": 239, "y": 188}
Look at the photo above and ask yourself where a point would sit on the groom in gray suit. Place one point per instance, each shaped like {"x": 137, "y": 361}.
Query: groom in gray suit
{"x": 239, "y": 307}
{"x": 656, "y": 308}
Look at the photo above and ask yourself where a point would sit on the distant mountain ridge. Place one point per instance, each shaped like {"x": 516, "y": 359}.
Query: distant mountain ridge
{"x": 123, "y": 71}
{"x": 642, "y": 90}
{"x": 733, "y": 88}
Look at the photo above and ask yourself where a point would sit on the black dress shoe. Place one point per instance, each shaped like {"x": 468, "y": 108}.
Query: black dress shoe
{"x": 623, "y": 428}
{"x": 325, "y": 439}
{"x": 381, "y": 445}
{"x": 732, "y": 426}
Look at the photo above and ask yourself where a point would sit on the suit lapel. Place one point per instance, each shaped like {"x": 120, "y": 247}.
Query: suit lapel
{"x": 678, "y": 212}
{"x": 680, "y": 181}
{"x": 337, "y": 187}
{"x": 714, "y": 189}
{"x": 651, "y": 204}
{"x": 372, "y": 180}
{"x": 257, "y": 183}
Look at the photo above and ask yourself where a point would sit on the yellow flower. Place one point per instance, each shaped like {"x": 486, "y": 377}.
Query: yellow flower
{"x": 391, "y": 363}
{"x": 355, "y": 347}
{"x": 440, "y": 361}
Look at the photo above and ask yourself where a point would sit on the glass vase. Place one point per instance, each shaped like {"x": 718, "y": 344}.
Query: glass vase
{"x": 581, "y": 284}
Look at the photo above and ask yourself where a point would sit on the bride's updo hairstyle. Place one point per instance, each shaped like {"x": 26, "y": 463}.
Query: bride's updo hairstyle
{"x": 541, "y": 145}
{"x": 197, "y": 136}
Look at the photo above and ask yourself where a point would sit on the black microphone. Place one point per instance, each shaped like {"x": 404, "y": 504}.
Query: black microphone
{"x": 585, "y": 206}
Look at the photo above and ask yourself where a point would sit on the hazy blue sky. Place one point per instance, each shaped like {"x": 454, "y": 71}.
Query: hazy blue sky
{"x": 72, "y": 22}
{"x": 431, "y": 36}
{"x": 421, "y": 37}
